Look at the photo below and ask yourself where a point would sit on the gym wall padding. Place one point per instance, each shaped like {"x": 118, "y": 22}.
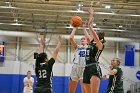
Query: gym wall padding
{"x": 12, "y": 83}
{"x": 12, "y": 74}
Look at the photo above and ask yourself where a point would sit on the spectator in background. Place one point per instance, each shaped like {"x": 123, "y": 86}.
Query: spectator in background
{"x": 28, "y": 83}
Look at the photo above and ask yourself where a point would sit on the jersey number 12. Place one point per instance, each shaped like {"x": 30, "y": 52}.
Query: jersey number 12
{"x": 42, "y": 73}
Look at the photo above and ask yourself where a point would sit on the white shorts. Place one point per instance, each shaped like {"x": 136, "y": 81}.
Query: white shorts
{"x": 76, "y": 72}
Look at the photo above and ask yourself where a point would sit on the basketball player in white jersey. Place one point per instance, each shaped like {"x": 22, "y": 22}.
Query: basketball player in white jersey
{"x": 28, "y": 83}
{"x": 78, "y": 62}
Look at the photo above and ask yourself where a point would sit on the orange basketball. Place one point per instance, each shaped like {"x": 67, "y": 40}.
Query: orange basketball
{"x": 76, "y": 21}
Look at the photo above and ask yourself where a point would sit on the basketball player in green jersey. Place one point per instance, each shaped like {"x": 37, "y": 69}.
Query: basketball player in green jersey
{"x": 115, "y": 84}
{"x": 92, "y": 73}
{"x": 43, "y": 68}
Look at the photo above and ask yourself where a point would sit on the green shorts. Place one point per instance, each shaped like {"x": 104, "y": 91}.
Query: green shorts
{"x": 42, "y": 90}
{"x": 93, "y": 70}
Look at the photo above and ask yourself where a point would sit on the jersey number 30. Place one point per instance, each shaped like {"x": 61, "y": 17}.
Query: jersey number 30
{"x": 42, "y": 73}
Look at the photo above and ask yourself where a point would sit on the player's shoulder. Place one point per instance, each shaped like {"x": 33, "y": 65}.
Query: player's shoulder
{"x": 92, "y": 44}
{"x": 117, "y": 68}
{"x": 86, "y": 46}
{"x": 25, "y": 77}
{"x": 78, "y": 46}
{"x": 32, "y": 78}
{"x": 51, "y": 60}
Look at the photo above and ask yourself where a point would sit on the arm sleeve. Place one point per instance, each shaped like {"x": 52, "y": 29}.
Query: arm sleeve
{"x": 51, "y": 62}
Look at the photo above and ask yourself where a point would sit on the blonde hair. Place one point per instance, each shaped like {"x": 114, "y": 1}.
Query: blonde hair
{"x": 118, "y": 60}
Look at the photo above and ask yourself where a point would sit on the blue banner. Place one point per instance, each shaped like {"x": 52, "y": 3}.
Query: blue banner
{"x": 129, "y": 55}
{"x": 2, "y": 51}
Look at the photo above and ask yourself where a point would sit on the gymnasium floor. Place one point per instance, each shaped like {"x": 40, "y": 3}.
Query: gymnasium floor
{"x": 23, "y": 22}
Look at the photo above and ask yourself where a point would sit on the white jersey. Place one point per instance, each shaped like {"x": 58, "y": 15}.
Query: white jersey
{"x": 28, "y": 89}
{"x": 79, "y": 57}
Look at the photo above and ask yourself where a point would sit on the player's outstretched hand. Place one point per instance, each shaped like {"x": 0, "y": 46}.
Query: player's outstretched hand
{"x": 91, "y": 21}
{"x": 42, "y": 42}
{"x": 59, "y": 38}
{"x": 110, "y": 67}
{"x": 84, "y": 24}
{"x": 91, "y": 11}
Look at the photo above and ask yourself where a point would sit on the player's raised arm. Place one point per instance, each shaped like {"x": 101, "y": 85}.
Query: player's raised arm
{"x": 92, "y": 32}
{"x": 71, "y": 38}
{"x": 41, "y": 45}
{"x": 55, "y": 53}
{"x": 86, "y": 33}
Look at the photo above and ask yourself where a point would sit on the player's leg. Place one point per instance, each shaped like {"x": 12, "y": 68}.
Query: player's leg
{"x": 72, "y": 86}
{"x": 86, "y": 80}
{"x": 82, "y": 85}
{"x": 95, "y": 79}
{"x": 73, "y": 79}
{"x": 95, "y": 84}
{"x": 87, "y": 88}
{"x": 81, "y": 71}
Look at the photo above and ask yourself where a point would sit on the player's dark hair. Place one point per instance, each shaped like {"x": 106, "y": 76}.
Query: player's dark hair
{"x": 101, "y": 36}
{"x": 42, "y": 57}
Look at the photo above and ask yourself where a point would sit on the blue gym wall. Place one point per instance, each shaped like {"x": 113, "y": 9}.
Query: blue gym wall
{"x": 10, "y": 83}
{"x": 12, "y": 74}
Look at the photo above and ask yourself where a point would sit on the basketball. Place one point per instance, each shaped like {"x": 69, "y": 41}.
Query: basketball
{"x": 76, "y": 21}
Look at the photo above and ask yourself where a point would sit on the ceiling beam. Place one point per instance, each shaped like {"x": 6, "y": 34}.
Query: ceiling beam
{"x": 33, "y": 34}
